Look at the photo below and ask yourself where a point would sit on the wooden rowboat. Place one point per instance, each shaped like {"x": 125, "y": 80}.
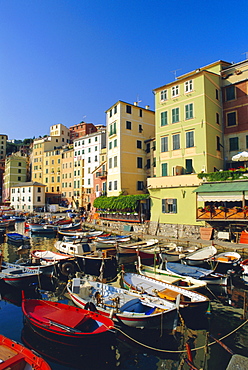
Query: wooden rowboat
{"x": 13, "y": 355}
{"x": 63, "y": 323}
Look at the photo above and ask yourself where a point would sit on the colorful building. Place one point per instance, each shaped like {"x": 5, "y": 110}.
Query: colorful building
{"x": 16, "y": 171}
{"x": 189, "y": 140}
{"x": 128, "y": 128}
{"x": 27, "y": 196}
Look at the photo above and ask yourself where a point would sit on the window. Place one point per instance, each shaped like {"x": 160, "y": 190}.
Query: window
{"x": 189, "y": 166}
{"x": 140, "y": 112}
{"x": 110, "y": 162}
{"x": 234, "y": 143}
{"x": 231, "y": 119}
{"x": 217, "y": 118}
{"x": 164, "y": 144}
{"x": 148, "y": 164}
{"x": 218, "y": 144}
{"x": 89, "y": 150}
{"x": 110, "y": 185}
{"x": 95, "y": 148}
{"x": 19, "y": 164}
{"x": 139, "y": 144}
{"x": 110, "y": 113}
{"x": 128, "y": 109}
{"x": 169, "y": 205}
{"x": 128, "y": 125}
{"x": 140, "y": 128}
{"x": 115, "y": 109}
{"x": 112, "y": 129}
{"x": 115, "y": 185}
{"x": 246, "y": 141}
{"x": 217, "y": 94}
{"x": 188, "y": 86}
{"x": 115, "y": 161}
{"x": 38, "y": 199}
{"x": 230, "y": 93}
{"x": 115, "y": 143}
{"x": 139, "y": 162}
{"x": 140, "y": 185}
{"x": 175, "y": 90}
{"x": 189, "y": 111}
{"x": 176, "y": 141}
{"x": 148, "y": 147}
{"x": 164, "y": 168}
{"x": 19, "y": 170}
{"x": 190, "y": 139}
{"x": 164, "y": 120}
{"x": 39, "y": 190}
{"x": 89, "y": 160}
{"x": 96, "y": 158}
{"x": 110, "y": 145}
{"x": 175, "y": 115}
{"x": 163, "y": 95}
{"x": 96, "y": 138}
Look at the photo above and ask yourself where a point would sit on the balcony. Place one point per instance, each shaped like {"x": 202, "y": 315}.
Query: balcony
{"x": 102, "y": 174}
{"x": 222, "y": 213}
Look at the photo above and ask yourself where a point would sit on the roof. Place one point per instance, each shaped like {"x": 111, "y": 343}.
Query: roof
{"x": 31, "y": 183}
{"x": 233, "y": 186}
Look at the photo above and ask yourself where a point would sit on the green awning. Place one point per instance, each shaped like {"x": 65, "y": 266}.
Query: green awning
{"x": 235, "y": 186}
{"x": 229, "y": 192}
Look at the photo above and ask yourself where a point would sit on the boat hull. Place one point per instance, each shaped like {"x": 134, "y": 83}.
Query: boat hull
{"x": 131, "y": 315}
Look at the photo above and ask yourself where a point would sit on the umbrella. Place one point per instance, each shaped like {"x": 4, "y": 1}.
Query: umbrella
{"x": 242, "y": 156}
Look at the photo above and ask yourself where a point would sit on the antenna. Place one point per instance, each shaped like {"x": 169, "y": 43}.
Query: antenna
{"x": 137, "y": 99}
{"x": 246, "y": 54}
{"x": 175, "y": 72}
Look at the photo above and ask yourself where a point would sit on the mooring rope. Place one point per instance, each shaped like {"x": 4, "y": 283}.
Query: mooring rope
{"x": 181, "y": 351}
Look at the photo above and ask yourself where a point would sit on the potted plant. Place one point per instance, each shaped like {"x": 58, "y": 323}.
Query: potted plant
{"x": 208, "y": 208}
{"x": 201, "y": 209}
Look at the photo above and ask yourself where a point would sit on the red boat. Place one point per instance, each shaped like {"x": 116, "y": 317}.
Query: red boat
{"x": 13, "y": 355}
{"x": 63, "y": 323}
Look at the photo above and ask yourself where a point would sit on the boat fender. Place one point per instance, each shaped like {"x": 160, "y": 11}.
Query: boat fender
{"x": 90, "y": 307}
{"x": 67, "y": 268}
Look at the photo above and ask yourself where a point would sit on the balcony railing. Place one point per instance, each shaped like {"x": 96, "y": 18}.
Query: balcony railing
{"x": 115, "y": 216}
{"x": 222, "y": 214}
{"x": 101, "y": 174}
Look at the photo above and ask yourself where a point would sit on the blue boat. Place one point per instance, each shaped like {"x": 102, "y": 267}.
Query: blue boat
{"x": 17, "y": 238}
{"x": 197, "y": 273}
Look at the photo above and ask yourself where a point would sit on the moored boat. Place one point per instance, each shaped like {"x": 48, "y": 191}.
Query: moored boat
{"x": 18, "y": 275}
{"x": 131, "y": 249}
{"x": 17, "y": 238}
{"x": 200, "y": 256}
{"x": 14, "y": 355}
{"x": 209, "y": 276}
{"x": 127, "y": 308}
{"x": 226, "y": 261}
{"x": 156, "y": 288}
{"x": 63, "y": 323}
{"x": 186, "y": 282}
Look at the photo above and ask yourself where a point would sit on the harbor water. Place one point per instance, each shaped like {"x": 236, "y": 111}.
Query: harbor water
{"x": 133, "y": 348}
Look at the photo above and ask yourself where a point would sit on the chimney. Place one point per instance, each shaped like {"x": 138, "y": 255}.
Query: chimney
{"x": 147, "y": 106}
{"x": 135, "y": 103}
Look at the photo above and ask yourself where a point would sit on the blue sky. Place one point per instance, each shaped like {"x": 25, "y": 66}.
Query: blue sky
{"x": 67, "y": 61}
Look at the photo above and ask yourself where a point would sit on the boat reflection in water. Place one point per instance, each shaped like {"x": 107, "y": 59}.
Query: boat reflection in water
{"x": 77, "y": 357}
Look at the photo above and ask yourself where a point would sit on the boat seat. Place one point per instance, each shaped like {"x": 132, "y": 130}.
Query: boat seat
{"x": 167, "y": 294}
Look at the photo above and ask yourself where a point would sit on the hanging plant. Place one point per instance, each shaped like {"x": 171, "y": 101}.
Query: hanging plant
{"x": 120, "y": 203}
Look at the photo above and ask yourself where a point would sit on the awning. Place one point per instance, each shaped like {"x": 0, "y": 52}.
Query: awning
{"x": 228, "y": 192}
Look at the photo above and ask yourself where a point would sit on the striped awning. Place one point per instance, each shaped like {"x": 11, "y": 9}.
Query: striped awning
{"x": 228, "y": 192}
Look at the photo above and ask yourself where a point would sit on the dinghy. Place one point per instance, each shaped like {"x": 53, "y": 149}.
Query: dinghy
{"x": 14, "y": 355}
{"x": 200, "y": 256}
{"x": 63, "y": 323}
{"x": 156, "y": 288}
{"x": 127, "y": 308}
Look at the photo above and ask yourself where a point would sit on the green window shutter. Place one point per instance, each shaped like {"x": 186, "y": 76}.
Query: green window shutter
{"x": 164, "y": 120}
{"x": 164, "y": 169}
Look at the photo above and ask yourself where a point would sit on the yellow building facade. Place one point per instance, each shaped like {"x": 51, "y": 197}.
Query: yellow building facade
{"x": 128, "y": 127}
